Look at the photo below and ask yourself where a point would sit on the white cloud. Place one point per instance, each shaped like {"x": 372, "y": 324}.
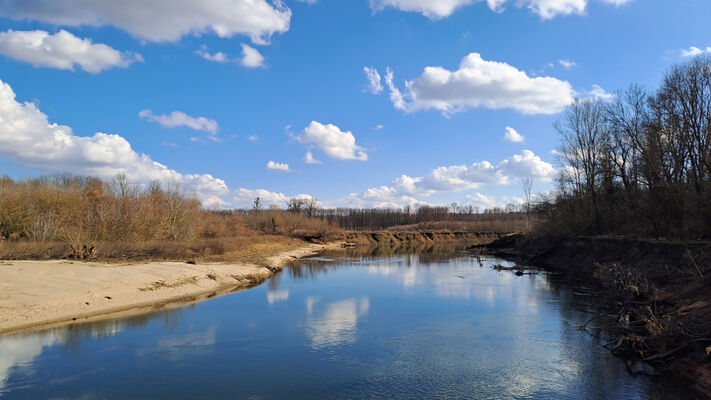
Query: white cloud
{"x": 433, "y": 9}
{"x": 567, "y": 64}
{"x": 496, "y": 5}
{"x": 548, "y": 9}
{"x": 404, "y": 190}
{"x": 332, "y": 141}
{"x": 438, "y": 9}
{"x": 245, "y": 197}
{"x": 695, "y": 51}
{"x": 251, "y": 57}
{"x": 253, "y": 138}
{"x": 512, "y": 136}
{"x": 598, "y": 93}
{"x": 480, "y": 200}
{"x": 309, "y": 159}
{"x": 275, "y": 166}
{"x": 160, "y": 20}
{"x": 179, "y": 118}
{"x": 378, "y": 127}
{"x": 62, "y": 51}
{"x": 481, "y": 83}
{"x": 396, "y": 96}
{"x": 483, "y": 202}
{"x": 374, "y": 85}
{"x": 31, "y": 140}
{"x": 617, "y": 2}
{"x": 219, "y": 57}
{"x": 527, "y": 165}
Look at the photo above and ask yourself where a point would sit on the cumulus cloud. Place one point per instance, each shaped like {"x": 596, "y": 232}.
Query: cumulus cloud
{"x": 218, "y": 57}
{"x": 567, "y": 64}
{"x": 31, "y": 140}
{"x": 438, "y": 9}
{"x": 405, "y": 189}
{"x": 617, "y": 2}
{"x": 275, "y": 166}
{"x": 433, "y": 9}
{"x": 309, "y": 159}
{"x": 548, "y": 9}
{"x": 480, "y": 200}
{"x": 245, "y": 197}
{"x": 160, "y": 20}
{"x": 62, "y": 51}
{"x": 251, "y": 58}
{"x": 527, "y": 165}
{"x": 479, "y": 83}
{"x": 374, "y": 84}
{"x": 334, "y": 142}
{"x": 512, "y": 136}
{"x": 598, "y": 93}
{"x": 695, "y": 51}
{"x": 179, "y": 119}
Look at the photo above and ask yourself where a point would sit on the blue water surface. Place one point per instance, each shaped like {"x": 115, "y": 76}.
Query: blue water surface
{"x": 392, "y": 326}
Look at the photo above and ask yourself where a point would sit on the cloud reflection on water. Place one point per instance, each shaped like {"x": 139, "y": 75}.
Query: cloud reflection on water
{"x": 337, "y": 324}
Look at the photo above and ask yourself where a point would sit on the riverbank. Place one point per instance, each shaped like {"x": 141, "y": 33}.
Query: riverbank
{"x": 37, "y": 294}
{"x": 41, "y": 294}
{"x": 656, "y": 294}
{"x": 412, "y": 238}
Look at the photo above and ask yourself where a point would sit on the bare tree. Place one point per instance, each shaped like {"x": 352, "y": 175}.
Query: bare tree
{"x": 527, "y": 184}
{"x": 585, "y": 140}
{"x": 310, "y": 206}
{"x": 295, "y": 205}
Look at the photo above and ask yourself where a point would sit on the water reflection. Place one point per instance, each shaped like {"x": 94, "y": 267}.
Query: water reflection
{"x": 276, "y": 296}
{"x": 19, "y": 351}
{"x": 337, "y": 324}
{"x": 381, "y": 323}
{"x": 179, "y": 346}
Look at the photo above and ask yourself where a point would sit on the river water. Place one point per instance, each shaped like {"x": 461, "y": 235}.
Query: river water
{"x": 380, "y": 325}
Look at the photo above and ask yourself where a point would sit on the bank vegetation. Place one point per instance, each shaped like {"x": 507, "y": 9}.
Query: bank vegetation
{"x": 639, "y": 164}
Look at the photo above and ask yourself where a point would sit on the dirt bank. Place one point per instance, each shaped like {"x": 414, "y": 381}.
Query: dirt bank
{"x": 395, "y": 239}
{"x": 656, "y": 295}
{"x": 39, "y": 294}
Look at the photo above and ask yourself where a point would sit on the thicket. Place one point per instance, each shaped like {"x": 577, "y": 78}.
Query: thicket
{"x": 69, "y": 216}
{"x": 638, "y": 165}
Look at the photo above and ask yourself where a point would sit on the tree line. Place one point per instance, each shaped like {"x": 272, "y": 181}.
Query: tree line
{"x": 639, "y": 164}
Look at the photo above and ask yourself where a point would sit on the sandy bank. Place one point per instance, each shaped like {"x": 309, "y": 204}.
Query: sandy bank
{"x": 37, "y": 294}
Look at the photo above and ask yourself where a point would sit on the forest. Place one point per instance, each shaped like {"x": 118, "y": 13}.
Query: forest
{"x": 638, "y": 165}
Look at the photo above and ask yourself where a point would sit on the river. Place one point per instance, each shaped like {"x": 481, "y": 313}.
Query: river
{"x": 365, "y": 325}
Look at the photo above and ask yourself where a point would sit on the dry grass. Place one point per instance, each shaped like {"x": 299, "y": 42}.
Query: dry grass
{"x": 74, "y": 217}
{"x": 294, "y": 224}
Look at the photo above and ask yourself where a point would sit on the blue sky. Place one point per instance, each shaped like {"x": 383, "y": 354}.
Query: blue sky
{"x": 225, "y": 87}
